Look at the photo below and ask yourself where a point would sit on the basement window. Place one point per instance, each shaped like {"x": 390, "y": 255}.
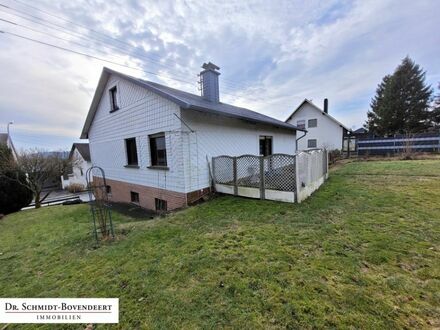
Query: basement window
{"x": 311, "y": 143}
{"x": 312, "y": 123}
{"x": 134, "y": 197}
{"x": 301, "y": 124}
{"x": 113, "y": 98}
{"x": 158, "y": 150}
{"x": 161, "y": 205}
{"x": 131, "y": 151}
{"x": 265, "y": 145}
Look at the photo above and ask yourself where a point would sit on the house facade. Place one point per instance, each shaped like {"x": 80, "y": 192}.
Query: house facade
{"x": 154, "y": 142}
{"x": 81, "y": 162}
{"x": 323, "y": 130}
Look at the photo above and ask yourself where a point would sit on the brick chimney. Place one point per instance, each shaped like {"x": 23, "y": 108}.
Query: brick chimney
{"x": 209, "y": 82}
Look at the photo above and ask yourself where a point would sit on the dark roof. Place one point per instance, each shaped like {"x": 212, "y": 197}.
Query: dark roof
{"x": 360, "y": 131}
{"x": 83, "y": 149}
{"x": 184, "y": 100}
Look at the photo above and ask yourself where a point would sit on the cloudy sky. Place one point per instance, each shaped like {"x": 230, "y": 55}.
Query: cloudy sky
{"x": 272, "y": 54}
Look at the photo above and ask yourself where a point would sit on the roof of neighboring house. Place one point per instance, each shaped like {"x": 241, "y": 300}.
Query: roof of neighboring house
{"x": 83, "y": 149}
{"x": 185, "y": 101}
{"x": 4, "y": 140}
{"x": 319, "y": 109}
{"x": 360, "y": 131}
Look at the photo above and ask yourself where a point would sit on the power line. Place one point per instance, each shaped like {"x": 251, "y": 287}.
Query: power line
{"x": 76, "y": 34}
{"x": 65, "y": 30}
{"x": 72, "y": 22}
{"x": 100, "y": 59}
{"x": 53, "y": 36}
{"x": 231, "y": 82}
{"x": 90, "y": 56}
{"x": 103, "y": 60}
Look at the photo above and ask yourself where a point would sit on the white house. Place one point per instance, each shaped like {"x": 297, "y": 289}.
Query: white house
{"x": 5, "y": 138}
{"x": 154, "y": 142}
{"x": 323, "y": 131}
{"x": 81, "y": 162}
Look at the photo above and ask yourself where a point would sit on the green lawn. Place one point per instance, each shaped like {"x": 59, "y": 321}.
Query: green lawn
{"x": 362, "y": 252}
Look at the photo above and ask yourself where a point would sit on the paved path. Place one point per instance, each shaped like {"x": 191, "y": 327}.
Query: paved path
{"x": 60, "y": 194}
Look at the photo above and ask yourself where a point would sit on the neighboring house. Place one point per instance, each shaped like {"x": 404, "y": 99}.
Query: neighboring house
{"x": 323, "y": 131}
{"x": 154, "y": 142}
{"x": 81, "y": 162}
{"x": 5, "y": 138}
{"x": 361, "y": 133}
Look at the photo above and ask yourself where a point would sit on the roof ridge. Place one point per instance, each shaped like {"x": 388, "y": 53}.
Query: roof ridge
{"x": 319, "y": 109}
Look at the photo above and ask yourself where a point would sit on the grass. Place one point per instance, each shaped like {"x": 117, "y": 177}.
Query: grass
{"x": 362, "y": 252}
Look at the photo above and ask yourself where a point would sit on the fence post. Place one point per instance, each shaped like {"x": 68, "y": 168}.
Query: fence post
{"x": 326, "y": 163}
{"x": 298, "y": 184}
{"x": 438, "y": 141}
{"x": 234, "y": 169}
{"x": 262, "y": 183}
{"x": 214, "y": 181}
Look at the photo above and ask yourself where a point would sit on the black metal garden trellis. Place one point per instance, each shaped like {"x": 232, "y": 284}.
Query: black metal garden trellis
{"x": 99, "y": 205}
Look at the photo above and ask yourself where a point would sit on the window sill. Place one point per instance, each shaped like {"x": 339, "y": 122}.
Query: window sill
{"x": 131, "y": 166}
{"x": 157, "y": 167}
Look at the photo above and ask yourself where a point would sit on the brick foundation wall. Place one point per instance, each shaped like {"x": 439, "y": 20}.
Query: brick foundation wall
{"x": 193, "y": 196}
{"x": 120, "y": 192}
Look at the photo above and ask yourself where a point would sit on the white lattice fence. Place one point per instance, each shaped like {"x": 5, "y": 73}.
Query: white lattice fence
{"x": 279, "y": 176}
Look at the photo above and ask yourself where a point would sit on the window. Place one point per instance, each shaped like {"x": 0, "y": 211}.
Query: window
{"x": 108, "y": 189}
{"x": 161, "y": 205}
{"x": 265, "y": 145}
{"x": 312, "y": 123}
{"x": 81, "y": 171}
{"x": 158, "y": 150}
{"x": 134, "y": 196}
{"x": 311, "y": 143}
{"x": 131, "y": 150}
{"x": 113, "y": 98}
{"x": 301, "y": 124}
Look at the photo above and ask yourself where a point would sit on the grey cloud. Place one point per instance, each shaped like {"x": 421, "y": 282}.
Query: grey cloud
{"x": 272, "y": 55}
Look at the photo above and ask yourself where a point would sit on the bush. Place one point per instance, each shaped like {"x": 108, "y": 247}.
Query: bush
{"x": 334, "y": 155}
{"x": 76, "y": 187}
{"x": 13, "y": 195}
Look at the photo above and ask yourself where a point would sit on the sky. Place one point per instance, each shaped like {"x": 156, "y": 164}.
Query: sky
{"x": 271, "y": 54}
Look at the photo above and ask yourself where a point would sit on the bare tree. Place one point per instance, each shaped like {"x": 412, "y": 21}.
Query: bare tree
{"x": 40, "y": 166}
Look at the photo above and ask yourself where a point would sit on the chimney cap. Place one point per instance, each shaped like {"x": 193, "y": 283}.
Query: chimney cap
{"x": 210, "y": 66}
